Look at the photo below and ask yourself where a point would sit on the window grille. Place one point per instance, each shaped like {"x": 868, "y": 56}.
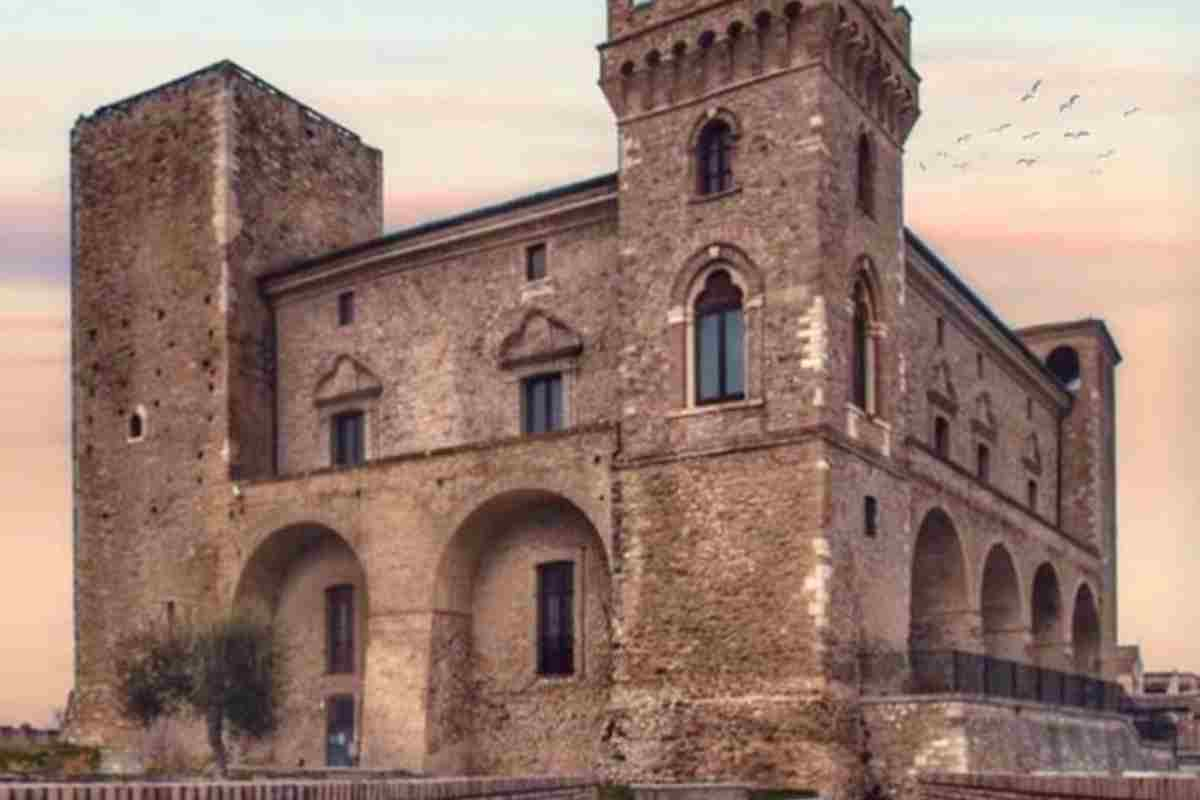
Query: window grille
{"x": 339, "y": 605}
{"x": 542, "y": 403}
{"x": 347, "y": 434}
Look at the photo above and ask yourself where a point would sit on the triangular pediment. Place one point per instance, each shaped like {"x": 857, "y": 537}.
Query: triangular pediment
{"x": 539, "y": 337}
{"x": 346, "y": 380}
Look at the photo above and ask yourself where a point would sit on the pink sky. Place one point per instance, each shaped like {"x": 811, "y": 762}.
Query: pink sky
{"x": 443, "y": 96}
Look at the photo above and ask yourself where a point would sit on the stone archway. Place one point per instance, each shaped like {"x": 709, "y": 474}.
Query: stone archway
{"x": 1004, "y": 634}
{"x": 525, "y": 573}
{"x": 940, "y": 612}
{"x": 308, "y": 581}
{"x": 1085, "y": 632}
{"x": 1048, "y": 646}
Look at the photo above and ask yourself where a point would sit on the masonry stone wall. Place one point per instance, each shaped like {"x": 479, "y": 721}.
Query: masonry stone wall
{"x": 440, "y": 334}
{"x": 910, "y": 736}
{"x": 942, "y": 786}
{"x": 321, "y": 787}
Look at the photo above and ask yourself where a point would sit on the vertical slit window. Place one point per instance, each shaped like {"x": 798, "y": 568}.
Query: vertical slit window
{"x": 941, "y": 437}
{"x": 1031, "y": 495}
{"x": 870, "y": 516}
{"x": 339, "y": 607}
{"x": 866, "y": 176}
{"x": 346, "y": 308}
{"x": 983, "y": 466}
{"x": 864, "y": 355}
{"x": 556, "y": 618}
{"x": 720, "y": 341}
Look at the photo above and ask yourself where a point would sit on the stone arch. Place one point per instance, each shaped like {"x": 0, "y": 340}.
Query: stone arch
{"x": 1004, "y": 632}
{"x": 939, "y": 610}
{"x": 1046, "y": 612}
{"x": 690, "y": 278}
{"x": 485, "y": 684}
{"x": 1085, "y": 631}
{"x": 867, "y": 337}
{"x": 288, "y": 580}
{"x": 1063, "y": 363}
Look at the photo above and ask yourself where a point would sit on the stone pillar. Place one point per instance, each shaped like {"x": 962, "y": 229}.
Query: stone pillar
{"x": 1053, "y": 655}
{"x": 1009, "y": 643}
{"x": 397, "y": 673}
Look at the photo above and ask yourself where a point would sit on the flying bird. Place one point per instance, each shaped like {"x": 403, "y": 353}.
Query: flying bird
{"x": 962, "y": 165}
{"x": 921, "y": 164}
{"x": 1096, "y": 172}
{"x": 1000, "y": 128}
{"x": 1068, "y": 103}
{"x": 1076, "y": 134}
{"x": 1131, "y": 110}
{"x": 966, "y": 137}
{"x": 942, "y": 154}
{"x": 1027, "y": 162}
{"x": 1107, "y": 154}
{"x": 1033, "y": 91}
{"x": 1032, "y": 135}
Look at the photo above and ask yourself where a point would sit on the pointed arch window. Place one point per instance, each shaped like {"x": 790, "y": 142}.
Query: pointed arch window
{"x": 714, "y": 157}
{"x": 866, "y": 176}
{"x": 865, "y": 357}
{"x": 720, "y": 341}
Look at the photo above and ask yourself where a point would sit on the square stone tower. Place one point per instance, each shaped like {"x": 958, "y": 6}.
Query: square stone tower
{"x": 180, "y": 198}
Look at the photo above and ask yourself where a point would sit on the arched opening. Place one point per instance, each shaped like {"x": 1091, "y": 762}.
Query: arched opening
{"x": 1047, "y": 618}
{"x": 865, "y": 355}
{"x": 308, "y": 581}
{"x": 940, "y": 608}
{"x": 522, "y": 593}
{"x": 1000, "y": 600}
{"x": 136, "y": 426}
{"x": 1063, "y": 362}
{"x": 720, "y": 367}
{"x": 1085, "y": 632}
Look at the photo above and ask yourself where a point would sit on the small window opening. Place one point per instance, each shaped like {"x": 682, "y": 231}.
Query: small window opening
{"x": 941, "y": 437}
{"x": 941, "y": 332}
{"x": 979, "y": 371}
{"x": 346, "y": 308}
{"x": 556, "y": 618}
{"x": 542, "y": 404}
{"x": 137, "y": 426}
{"x": 1028, "y": 408}
{"x": 170, "y": 610}
{"x": 714, "y": 158}
{"x": 535, "y": 262}
{"x": 339, "y": 609}
{"x": 347, "y": 439}
{"x": 863, "y": 379}
{"x": 866, "y": 176}
{"x": 983, "y": 463}
{"x": 1031, "y": 491}
{"x": 870, "y": 516}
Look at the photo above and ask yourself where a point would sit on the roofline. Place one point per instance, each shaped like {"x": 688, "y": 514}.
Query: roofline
{"x": 525, "y": 201}
{"x": 959, "y": 285}
{"x": 224, "y": 65}
{"x": 1070, "y": 326}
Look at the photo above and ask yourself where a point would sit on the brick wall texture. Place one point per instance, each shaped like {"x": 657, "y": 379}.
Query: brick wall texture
{"x": 727, "y": 587}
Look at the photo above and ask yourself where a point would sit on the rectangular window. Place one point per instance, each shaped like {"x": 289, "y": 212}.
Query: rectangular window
{"x": 941, "y": 437}
{"x": 556, "y": 618}
{"x": 535, "y": 262}
{"x": 345, "y": 308}
{"x": 1028, "y": 408}
{"x": 1031, "y": 495}
{"x": 347, "y": 433}
{"x": 870, "y": 516}
{"x": 339, "y": 608}
{"x": 983, "y": 465}
{"x": 542, "y": 404}
{"x": 339, "y": 731}
{"x": 979, "y": 364}
{"x": 941, "y": 331}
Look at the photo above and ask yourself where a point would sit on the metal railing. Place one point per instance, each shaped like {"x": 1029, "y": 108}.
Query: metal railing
{"x": 957, "y": 672}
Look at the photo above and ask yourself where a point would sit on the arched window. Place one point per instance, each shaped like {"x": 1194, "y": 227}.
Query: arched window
{"x": 714, "y": 158}
{"x": 720, "y": 334}
{"x": 865, "y": 357}
{"x": 135, "y": 425}
{"x": 866, "y": 176}
{"x": 941, "y": 437}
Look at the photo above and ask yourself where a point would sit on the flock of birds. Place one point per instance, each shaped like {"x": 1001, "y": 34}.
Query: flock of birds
{"x": 1031, "y": 95}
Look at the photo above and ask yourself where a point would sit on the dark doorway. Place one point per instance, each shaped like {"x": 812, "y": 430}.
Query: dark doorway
{"x": 339, "y": 738}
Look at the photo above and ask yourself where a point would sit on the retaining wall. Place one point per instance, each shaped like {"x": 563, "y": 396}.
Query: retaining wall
{"x": 993, "y": 786}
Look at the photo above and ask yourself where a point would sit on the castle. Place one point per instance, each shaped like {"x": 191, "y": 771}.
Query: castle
{"x": 677, "y": 473}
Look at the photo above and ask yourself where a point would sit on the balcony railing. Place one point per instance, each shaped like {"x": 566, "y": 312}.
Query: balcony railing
{"x": 957, "y": 672}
